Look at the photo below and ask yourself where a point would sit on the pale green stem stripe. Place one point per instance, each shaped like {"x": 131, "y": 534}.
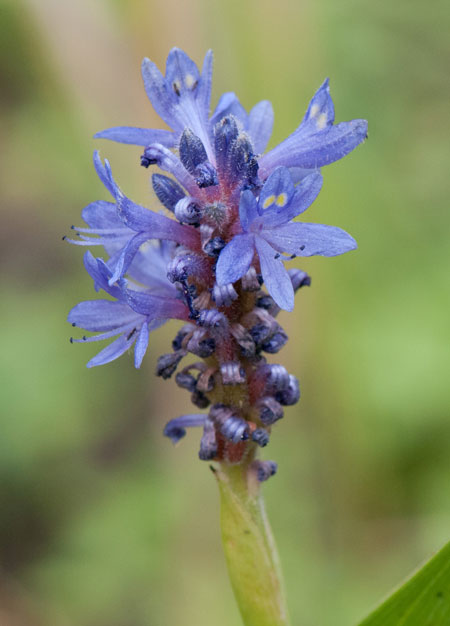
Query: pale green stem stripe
{"x": 250, "y": 551}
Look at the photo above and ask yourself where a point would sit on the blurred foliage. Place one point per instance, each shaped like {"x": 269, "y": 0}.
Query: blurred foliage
{"x": 102, "y": 522}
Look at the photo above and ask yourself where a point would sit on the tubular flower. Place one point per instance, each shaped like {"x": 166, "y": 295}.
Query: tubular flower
{"x": 227, "y": 229}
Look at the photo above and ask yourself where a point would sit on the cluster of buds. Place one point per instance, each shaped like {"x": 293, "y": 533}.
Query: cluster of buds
{"x": 215, "y": 261}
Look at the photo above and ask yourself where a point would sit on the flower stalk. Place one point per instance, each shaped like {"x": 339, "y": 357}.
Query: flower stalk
{"x": 249, "y": 547}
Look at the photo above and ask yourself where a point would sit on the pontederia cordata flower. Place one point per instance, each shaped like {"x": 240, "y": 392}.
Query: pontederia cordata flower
{"x": 226, "y": 227}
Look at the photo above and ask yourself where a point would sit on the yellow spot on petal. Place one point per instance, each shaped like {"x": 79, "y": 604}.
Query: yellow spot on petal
{"x": 281, "y": 200}
{"x": 268, "y": 201}
{"x": 314, "y": 110}
{"x": 322, "y": 121}
{"x": 189, "y": 81}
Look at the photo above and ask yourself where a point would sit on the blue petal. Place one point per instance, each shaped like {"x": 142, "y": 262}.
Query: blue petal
{"x": 305, "y": 194}
{"x": 182, "y": 74}
{"x": 138, "y": 136}
{"x": 101, "y": 315}
{"x": 316, "y": 150}
{"x": 156, "y": 307}
{"x": 113, "y": 351}
{"x": 276, "y": 278}
{"x": 157, "y": 226}
{"x": 259, "y": 126}
{"x": 235, "y": 259}
{"x": 248, "y": 209}
{"x": 100, "y": 274}
{"x": 305, "y": 239}
{"x": 204, "y": 84}
{"x": 320, "y": 113}
{"x": 127, "y": 255}
{"x": 229, "y": 105}
{"x": 104, "y": 173}
{"x": 163, "y": 100}
{"x": 101, "y": 214}
{"x": 140, "y": 347}
{"x": 277, "y": 192}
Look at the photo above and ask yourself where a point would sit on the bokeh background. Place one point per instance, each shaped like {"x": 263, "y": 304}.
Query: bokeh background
{"x": 102, "y": 521}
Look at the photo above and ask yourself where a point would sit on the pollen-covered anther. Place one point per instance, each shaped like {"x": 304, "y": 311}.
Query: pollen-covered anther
{"x": 261, "y": 437}
{"x": 208, "y": 443}
{"x": 232, "y": 373}
{"x": 211, "y": 318}
{"x": 291, "y": 394}
{"x": 168, "y": 363}
{"x": 188, "y": 211}
{"x": 244, "y": 339}
{"x": 264, "y": 469}
{"x": 250, "y": 280}
{"x": 201, "y": 343}
{"x": 299, "y": 278}
{"x": 270, "y": 410}
{"x": 224, "y": 295}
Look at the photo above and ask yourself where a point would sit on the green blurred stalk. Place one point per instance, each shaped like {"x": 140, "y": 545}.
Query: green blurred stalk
{"x": 250, "y": 551}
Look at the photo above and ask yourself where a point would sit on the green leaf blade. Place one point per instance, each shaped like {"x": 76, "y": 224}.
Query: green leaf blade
{"x": 423, "y": 600}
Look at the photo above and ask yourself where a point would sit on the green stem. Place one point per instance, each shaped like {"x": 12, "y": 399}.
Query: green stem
{"x": 250, "y": 551}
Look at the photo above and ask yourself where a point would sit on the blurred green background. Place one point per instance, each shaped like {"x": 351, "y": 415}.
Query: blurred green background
{"x": 102, "y": 521}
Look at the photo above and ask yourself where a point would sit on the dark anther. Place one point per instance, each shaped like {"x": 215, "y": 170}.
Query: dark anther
{"x": 131, "y": 334}
{"x": 275, "y": 343}
{"x": 291, "y": 394}
{"x": 264, "y": 469}
{"x": 73, "y": 324}
{"x": 261, "y": 437}
{"x": 277, "y": 256}
{"x": 193, "y": 313}
{"x": 146, "y": 162}
{"x": 176, "y": 88}
{"x": 269, "y": 410}
{"x": 168, "y": 363}
{"x": 64, "y": 237}
{"x": 181, "y": 334}
{"x": 259, "y": 333}
{"x": 265, "y": 302}
{"x": 214, "y": 246}
{"x": 71, "y": 340}
{"x": 186, "y": 381}
{"x": 199, "y": 399}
